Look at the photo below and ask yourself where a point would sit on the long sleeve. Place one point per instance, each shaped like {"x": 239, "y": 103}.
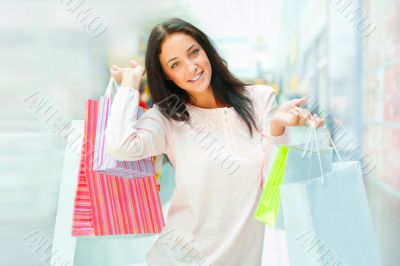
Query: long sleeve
{"x": 130, "y": 139}
{"x": 268, "y": 106}
{"x": 265, "y": 97}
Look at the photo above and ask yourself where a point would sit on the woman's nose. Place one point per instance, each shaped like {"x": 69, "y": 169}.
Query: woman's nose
{"x": 190, "y": 64}
{"x": 193, "y": 68}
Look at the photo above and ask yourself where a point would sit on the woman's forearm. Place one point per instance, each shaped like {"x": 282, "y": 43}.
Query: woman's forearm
{"x": 276, "y": 129}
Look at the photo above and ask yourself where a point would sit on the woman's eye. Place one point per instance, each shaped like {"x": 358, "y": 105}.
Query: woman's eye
{"x": 195, "y": 51}
{"x": 174, "y": 65}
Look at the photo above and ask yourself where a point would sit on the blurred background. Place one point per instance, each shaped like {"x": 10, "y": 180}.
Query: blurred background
{"x": 55, "y": 54}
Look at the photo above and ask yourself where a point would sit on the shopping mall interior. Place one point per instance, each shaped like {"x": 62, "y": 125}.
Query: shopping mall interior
{"x": 343, "y": 54}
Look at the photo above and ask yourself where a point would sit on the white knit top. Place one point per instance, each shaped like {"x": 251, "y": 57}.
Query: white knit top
{"x": 218, "y": 172}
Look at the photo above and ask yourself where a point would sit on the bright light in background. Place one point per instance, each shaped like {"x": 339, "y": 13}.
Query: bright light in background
{"x": 246, "y": 32}
{"x": 309, "y": 45}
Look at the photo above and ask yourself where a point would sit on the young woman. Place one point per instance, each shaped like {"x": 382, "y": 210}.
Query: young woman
{"x": 215, "y": 130}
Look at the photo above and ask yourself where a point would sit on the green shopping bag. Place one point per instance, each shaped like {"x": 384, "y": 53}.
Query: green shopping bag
{"x": 267, "y": 210}
{"x": 291, "y": 164}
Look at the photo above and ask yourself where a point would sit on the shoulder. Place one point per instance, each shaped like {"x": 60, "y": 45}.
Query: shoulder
{"x": 262, "y": 95}
{"x": 154, "y": 115}
{"x": 260, "y": 90}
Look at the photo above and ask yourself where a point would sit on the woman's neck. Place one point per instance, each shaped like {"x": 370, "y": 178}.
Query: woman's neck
{"x": 206, "y": 99}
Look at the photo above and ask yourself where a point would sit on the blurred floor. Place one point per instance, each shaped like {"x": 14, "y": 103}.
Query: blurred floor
{"x": 310, "y": 47}
{"x": 385, "y": 209}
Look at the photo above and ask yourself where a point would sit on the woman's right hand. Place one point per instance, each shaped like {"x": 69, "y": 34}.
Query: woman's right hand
{"x": 128, "y": 76}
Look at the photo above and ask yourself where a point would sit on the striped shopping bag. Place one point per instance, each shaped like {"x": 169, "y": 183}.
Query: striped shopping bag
{"x": 107, "y": 205}
{"x": 103, "y": 163}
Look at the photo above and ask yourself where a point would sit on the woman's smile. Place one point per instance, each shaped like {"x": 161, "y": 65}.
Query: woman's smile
{"x": 198, "y": 77}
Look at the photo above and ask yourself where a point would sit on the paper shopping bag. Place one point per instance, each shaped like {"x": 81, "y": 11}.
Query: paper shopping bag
{"x": 329, "y": 223}
{"x": 290, "y": 164}
{"x": 103, "y": 163}
{"x": 111, "y": 205}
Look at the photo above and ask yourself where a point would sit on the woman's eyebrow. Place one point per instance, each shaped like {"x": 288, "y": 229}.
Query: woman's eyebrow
{"x": 186, "y": 51}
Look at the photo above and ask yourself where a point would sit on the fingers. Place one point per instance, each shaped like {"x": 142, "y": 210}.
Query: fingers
{"x": 306, "y": 118}
{"x": 140, "y": 69}
{"x": 120, "y": 72}
{"x": 134, "y": 63}
{"x": 295, "y": 111}
{"x": 114, "y": 69}
{"x": 116, "y": 73}
{"x": 320, "y": 122}
{"x": 316, "y": 121}
{"x": 301, "y": 101}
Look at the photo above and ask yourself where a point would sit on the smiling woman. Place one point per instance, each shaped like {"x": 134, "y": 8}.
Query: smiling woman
{"x": 197, "y": 120}
{"x": 191, "y": 70}
{"x": 181, "y": 60}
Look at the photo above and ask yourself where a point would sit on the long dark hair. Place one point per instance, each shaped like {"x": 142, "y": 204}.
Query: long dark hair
{"x": 227, "y": 89}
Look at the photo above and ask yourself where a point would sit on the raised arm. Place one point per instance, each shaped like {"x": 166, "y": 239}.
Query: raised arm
{"x": 276, "y": 120}
{"x": 267, "y": 100}
{"x": 128, "y": 138}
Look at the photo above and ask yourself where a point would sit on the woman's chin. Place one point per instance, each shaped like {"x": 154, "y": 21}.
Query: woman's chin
{"x": 200, "y": 89}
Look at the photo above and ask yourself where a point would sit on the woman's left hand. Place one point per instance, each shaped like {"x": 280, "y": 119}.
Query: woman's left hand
{"x": 291, "y": 114}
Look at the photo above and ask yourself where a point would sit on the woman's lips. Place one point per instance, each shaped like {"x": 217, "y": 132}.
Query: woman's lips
{"x": 197, "y": 78}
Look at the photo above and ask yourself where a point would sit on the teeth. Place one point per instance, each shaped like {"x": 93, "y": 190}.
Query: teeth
{"x": 196, "y": 78}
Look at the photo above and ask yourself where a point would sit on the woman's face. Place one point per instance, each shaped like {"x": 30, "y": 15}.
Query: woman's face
{"x": 185, "y": 63}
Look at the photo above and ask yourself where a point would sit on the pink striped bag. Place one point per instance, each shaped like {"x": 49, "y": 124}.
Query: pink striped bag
{"x": 107, "y": 205}
{"x": 102, "y": 162}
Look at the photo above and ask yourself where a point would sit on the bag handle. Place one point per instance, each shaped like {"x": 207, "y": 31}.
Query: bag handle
{"x": 313, "y": 129}
{"x": 110, "y": 87}
{"x": 333, "y": 145}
